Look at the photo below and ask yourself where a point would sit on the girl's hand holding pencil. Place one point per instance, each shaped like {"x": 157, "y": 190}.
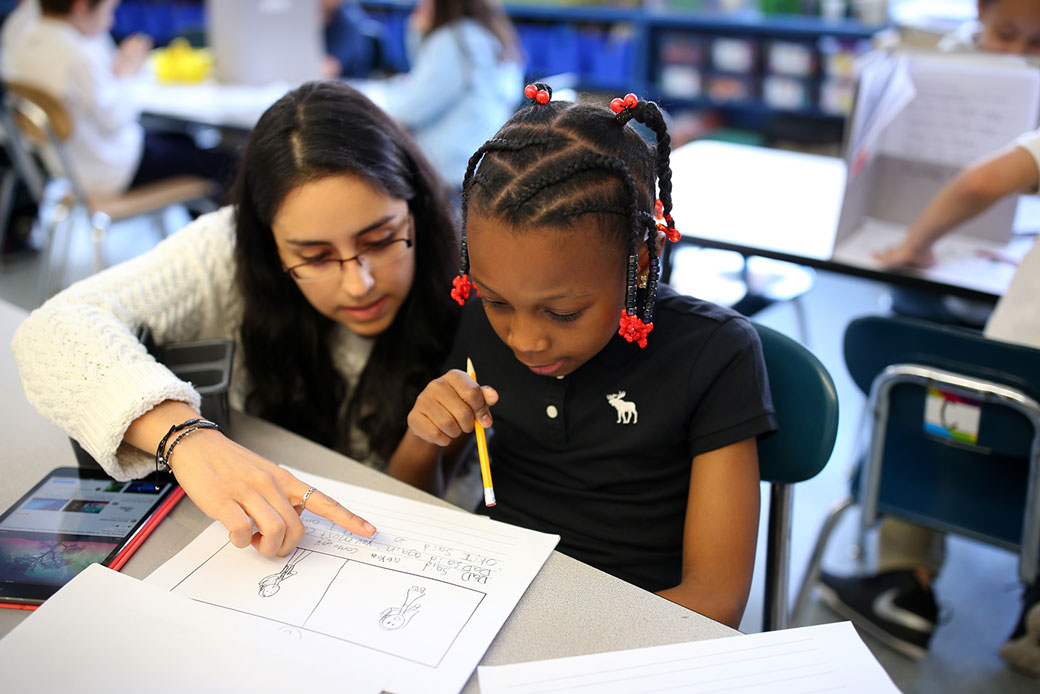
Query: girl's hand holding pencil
{"x": 452, "y": 405}
{"x": 449, "y": 406}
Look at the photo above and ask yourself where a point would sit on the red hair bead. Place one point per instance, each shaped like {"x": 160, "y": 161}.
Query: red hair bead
{"x": 617, "y": 105}
{"x": 670, "y": 232}
{"x": 542, "y": 96}
{"x": 460, "y": 289}
{"x": 633, "y": 329}
{"x": 631, "y": 100}
{"x": 530, "y": 90}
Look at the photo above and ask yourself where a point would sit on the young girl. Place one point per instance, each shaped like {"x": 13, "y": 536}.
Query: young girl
{"x": 463, "y": 84}
{"x": 326, "y": 273}
{"x": 638, "y": 447}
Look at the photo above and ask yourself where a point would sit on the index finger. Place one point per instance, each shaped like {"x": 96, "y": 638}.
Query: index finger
{"x": 472, "y": 393}
{"x": 321, "y": 504}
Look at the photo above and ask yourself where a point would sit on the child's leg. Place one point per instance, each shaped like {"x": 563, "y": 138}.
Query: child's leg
{"x": 1022, "y": 651}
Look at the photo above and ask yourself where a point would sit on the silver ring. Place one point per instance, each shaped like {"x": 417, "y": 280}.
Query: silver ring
{"x": 306, "y": 495}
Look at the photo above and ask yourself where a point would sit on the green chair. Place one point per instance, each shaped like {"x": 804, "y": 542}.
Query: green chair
{"x": 806, "y": 405}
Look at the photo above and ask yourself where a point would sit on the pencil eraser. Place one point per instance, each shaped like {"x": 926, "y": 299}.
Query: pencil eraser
{"x": 489, "y": 497}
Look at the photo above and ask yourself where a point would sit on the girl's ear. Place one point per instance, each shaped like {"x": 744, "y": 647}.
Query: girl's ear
{"x": 644, "y": 254}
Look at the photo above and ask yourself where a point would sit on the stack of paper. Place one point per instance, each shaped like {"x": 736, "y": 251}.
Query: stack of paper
{"x": 824, "y": 658}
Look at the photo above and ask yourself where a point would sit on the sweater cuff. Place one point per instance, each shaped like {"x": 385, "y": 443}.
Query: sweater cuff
{"x": 125, "y": 394}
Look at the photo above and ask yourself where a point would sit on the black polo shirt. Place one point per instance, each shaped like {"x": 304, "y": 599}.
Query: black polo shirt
{"x": 612, "y": 478}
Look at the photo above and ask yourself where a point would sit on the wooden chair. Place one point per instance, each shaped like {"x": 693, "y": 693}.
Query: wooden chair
{"x": 42, "y": 125}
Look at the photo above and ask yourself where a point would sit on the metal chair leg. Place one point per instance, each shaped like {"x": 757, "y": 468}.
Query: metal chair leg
{"x": 56, "y": 216}
{"x": 99, "y": 223}
{"x": 7, "y": 185}
{"x": 801, "y": 318}
{"x": 812, "y": 571}
{"x": 778, "y": 557}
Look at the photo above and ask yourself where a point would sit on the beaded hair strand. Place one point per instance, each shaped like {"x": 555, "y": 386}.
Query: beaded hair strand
{"x": 538, "y": 93}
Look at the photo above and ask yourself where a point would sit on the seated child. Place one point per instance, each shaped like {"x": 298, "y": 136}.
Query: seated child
{"x": 637, "y": 447}
{"x": 63, "y": 54}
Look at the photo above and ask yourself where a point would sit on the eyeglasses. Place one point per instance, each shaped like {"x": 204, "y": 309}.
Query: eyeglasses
{"x": 370, "y": 254}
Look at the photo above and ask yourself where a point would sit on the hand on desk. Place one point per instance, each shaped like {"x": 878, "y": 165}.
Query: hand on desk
{"x": 905, "y": 257}
{"x": 239, "y": 488}
{"x": 233, "y": 485}
{"x": 447, "y": 407}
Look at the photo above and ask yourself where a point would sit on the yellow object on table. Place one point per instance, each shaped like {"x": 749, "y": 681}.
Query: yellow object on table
{"x": 179, "y": 62}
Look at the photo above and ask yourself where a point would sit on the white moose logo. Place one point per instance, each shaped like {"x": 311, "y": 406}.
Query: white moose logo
{"x": 626, "y": 411}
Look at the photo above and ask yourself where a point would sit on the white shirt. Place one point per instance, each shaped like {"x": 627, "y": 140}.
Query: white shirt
{"x": 106, "y": 143}
{"x": 457, "y": 95}
{"x": 1017, "y": 315}
{"x": 84, "y": 369}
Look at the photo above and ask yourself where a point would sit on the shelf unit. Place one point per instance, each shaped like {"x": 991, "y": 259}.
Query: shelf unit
{"x": 619, "y": 49}
{"x": 615, "y": 50}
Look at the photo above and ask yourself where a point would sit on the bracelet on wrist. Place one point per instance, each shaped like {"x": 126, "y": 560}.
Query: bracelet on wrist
{"x": 162, "y": 455}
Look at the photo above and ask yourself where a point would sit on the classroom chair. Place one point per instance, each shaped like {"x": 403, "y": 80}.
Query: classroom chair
{"x": 806, "y": 405}
{"x": 980, "y": 481}
{"x": 42, "y": 125}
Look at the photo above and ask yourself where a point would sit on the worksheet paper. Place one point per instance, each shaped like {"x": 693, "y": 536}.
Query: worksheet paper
{"x": 417, "y": 605}
{"x": 823, "y": 658}
{"x": 963, "y": 109}
{"x": 107, "y": 632}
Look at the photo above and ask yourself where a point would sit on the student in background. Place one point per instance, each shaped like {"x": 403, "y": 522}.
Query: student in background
{"x": 463, "y": 84}
{"x": 1003, "y": 26}
{"x": 109, "y": 150}
{"x": 910, "y": 557}
{"x": 353, "y": 41}
{"x": 327, "y": 275}
{"x": 637, "y": 447}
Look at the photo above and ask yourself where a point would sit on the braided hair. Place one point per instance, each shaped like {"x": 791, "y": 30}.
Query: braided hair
{"x": 555, "y": 161}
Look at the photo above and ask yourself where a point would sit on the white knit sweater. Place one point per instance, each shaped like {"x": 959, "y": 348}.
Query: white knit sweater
{"x": 83, "y": 368}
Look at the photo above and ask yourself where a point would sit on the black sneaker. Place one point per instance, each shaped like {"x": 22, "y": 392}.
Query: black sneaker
{"x": 893, "y": 607}
{"x": 1022, "y": 650}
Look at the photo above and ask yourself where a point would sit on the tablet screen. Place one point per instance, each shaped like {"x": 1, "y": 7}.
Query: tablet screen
{"x": 73, "y": 518}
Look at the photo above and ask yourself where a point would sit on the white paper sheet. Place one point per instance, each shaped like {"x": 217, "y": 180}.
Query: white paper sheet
{"x": 417, "y": 604}
{"x": 107, "y": 632}
{"x": 885, "y": 90}
{"x": 963, "y": 110}
{"x": 823, "y": 658}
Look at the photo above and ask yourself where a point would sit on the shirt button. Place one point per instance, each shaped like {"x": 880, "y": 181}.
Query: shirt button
{"x": 552, "y": 411}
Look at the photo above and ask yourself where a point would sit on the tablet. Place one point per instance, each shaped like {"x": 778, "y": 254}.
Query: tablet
{"x": 72, "y": 518}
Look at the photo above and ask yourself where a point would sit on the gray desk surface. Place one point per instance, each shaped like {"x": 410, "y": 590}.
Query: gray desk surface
{"x": 569, "y": 609}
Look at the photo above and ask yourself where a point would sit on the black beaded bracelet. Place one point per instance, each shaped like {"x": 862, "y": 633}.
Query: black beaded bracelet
{"x": 160, "y": 453}
{"x": 190, "y": 430}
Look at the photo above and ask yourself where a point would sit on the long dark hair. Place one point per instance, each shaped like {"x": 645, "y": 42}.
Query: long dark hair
{"x": 487, "y": 12}
{"x": 317, "y": 130}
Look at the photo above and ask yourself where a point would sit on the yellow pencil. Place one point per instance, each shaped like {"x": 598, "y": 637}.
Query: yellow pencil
{"x": 485, "y": 462}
